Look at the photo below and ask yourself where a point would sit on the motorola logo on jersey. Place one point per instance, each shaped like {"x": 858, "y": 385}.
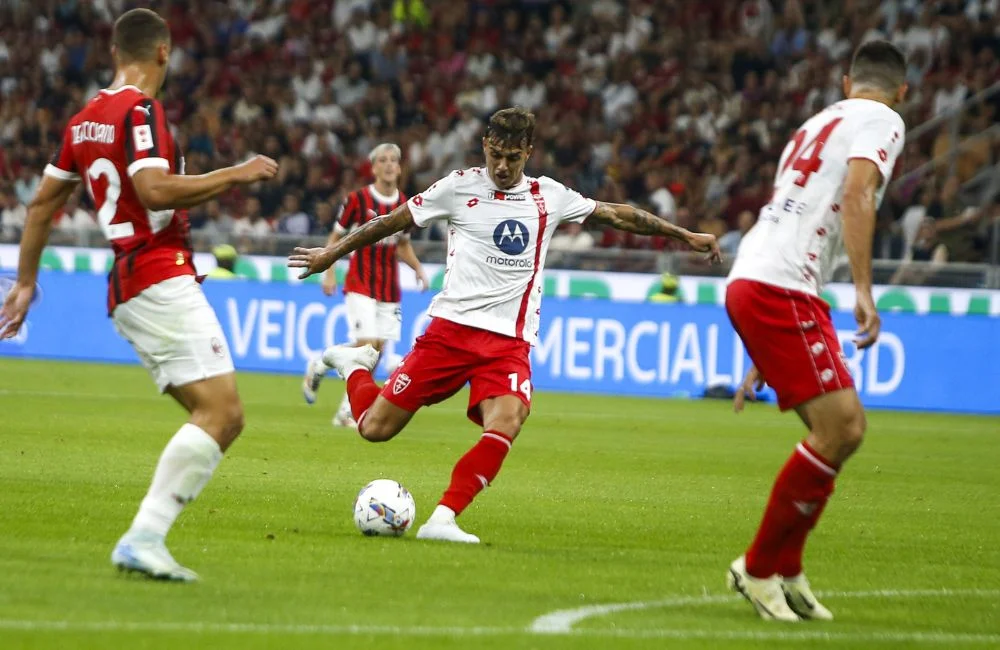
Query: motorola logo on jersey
{"x": 511, "y": 237}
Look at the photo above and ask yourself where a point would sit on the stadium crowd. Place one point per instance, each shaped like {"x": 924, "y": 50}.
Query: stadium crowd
{"x": 683, "y": 107}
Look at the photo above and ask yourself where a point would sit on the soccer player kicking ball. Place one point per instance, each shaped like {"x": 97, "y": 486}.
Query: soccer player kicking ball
{"x": 122, "y": 149}
{"x": 371, "y": 291}
{"x": 500, "y": 223}
{"x": 830, "y": 180}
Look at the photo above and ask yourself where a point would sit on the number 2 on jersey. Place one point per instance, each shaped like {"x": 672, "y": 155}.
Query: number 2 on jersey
{"x": 807, "y": 161}
{"x": 109, "y": 208}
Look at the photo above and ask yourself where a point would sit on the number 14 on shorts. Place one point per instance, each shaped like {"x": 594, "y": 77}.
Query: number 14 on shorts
{"x": 525, "y": 386}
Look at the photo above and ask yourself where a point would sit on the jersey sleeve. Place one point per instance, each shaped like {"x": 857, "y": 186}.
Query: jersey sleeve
{"x": 62, "y": 166}
{"x": 434, "y": 203}
{"x": 146, "y": 137}
{"x": 879, "y": 140}
{"x": 575, "y": 206}
{"x": 349, "y": 215}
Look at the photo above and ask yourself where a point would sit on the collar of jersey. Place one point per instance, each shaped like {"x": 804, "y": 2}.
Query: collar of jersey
{"x": 382, "y": 197}
{"x": 114, "y": 91}
{"x": 523, "y": 186}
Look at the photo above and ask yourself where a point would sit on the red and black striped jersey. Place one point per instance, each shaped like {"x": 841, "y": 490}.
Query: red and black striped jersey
{"x": 374, "y": 271}
{"x": 117, "y": 134}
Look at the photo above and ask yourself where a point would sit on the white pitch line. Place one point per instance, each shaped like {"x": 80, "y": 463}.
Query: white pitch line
{"x": 265, "y": 629}
{"x": 562, "y": 621}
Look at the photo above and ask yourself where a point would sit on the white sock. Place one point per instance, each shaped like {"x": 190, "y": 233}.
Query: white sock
{"x": 186, "y": 464}
{"x": 345, "y": 406}
{"x": 442, "y": 515}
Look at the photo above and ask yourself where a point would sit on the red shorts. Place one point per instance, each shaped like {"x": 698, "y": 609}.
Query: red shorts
{"x": 449, "y": 355}
{"x": 791, "y": 340}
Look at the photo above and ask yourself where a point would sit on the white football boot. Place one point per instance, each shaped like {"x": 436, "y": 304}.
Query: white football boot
{"x": 148, "y": 555}
{"x": 346, "y": 359}
{"x": 315, "y": 371}
{"x": 442, "y": 527}
{"x": 765, "y": 594}
{"x": 800, "y": 598}
{"x": 344, "y": 420}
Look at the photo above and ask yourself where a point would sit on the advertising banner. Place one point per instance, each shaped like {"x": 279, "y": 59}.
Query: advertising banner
{"x": 929, "y": 362}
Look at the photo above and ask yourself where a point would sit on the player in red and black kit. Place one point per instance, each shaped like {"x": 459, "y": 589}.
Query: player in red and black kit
{"x": 371, "y": 289}
{"x": 120, "y": 146}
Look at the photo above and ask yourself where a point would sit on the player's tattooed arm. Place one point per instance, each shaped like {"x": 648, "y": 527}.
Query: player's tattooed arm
{"x": 632, "y": 219}
{"x": 317, "y": 260}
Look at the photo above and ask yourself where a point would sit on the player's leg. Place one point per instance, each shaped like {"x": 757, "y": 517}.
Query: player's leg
{"x": 344, "y": 416}
{"x": 362, "y": 319}
{"x": 387, "y": 327}
{"x": 500, "y": 401}
{"x": 791, "y": 339}
{"x": 178, "y": 338}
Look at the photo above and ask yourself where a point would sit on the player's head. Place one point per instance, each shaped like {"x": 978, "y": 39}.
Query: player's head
{"x": 141, "y": 37}
{"x": 507, "y": 145}
{"x": 879, "y": 69}
{"x": 385, "y": 162}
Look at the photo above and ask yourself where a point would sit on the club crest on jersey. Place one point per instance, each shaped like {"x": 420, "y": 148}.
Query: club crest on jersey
{"x": 401, "y": 383}
{"x": 511, "y": 237}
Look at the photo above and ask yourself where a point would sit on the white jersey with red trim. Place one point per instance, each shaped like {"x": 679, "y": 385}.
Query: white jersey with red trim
{"x": 798, "y": 237}
{"x": 497, "y": 241}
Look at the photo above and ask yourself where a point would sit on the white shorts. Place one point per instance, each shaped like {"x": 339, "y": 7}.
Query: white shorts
{"x": 175, "y": 333}
{"x": 371, "y": 319}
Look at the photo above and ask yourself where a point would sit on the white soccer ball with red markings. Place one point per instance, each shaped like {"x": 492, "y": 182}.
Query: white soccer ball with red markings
{"x": 384, "y": 507}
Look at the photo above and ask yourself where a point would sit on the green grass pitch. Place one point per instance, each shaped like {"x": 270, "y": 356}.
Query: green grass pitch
{"x": 603, "y": 500}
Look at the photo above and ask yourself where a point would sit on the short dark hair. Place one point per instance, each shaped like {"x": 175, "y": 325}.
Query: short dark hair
{"x": 137, "y": 34}
{"x": 512, "y": 127}
{"x": 881, "y": 64}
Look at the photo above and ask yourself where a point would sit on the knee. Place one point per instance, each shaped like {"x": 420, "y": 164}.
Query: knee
{"x": 508, "y": 424}
{"x": 224, "y": 421}
{"x": 852, "y": 432}
{"x": 376, "y": 429}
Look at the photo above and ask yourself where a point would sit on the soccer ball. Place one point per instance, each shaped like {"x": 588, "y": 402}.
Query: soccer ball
{"x": 384, "y": 507}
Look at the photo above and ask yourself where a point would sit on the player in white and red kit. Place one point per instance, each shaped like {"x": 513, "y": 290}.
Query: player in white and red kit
{"x": 500, "y": 223}
{"x": 120, "y": 146}
{"x": 829, "y": 183}
{"x": 371, "y": 288}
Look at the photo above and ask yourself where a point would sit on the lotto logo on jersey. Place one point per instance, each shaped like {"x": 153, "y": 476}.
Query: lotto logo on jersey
{"x": 511, "y": 237}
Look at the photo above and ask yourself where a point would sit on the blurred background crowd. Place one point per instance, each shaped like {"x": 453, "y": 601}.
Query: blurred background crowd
{"x": 681, "y": 107}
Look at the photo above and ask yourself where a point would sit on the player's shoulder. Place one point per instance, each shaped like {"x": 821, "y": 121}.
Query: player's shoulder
{"x": 550, "y": 186}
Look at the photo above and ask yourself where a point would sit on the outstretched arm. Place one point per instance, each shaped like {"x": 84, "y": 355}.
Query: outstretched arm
{"x": 631, "y": 219}
{"x": 317, "y": 260}
{"x": 52, "y": 194}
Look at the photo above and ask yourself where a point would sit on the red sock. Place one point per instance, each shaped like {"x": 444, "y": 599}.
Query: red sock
{"x": 362, "y": 391}
{"x": 475, "y": 470}
{"x": 797, "y": 500}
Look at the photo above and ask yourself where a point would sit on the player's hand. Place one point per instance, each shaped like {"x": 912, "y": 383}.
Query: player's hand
{"x": 752, "y": 383}
{"x": 329, "y": 283}
{"x": 422, "y": 283}
{"x": 705, "y": 243}
{"x": 869, "y": 322}
{"x": 258, "y": 168}
{"x": 313, "y": 260}
{"x": 15, "y": 309}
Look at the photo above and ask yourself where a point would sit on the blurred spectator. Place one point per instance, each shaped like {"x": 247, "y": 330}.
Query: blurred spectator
{"x": 12, "y": 215}
{"x": 572, "y": 238}
{"x": 292, "y": 220}
{"x": 682, "y": 107}
{"x": 730, "y": 241}
{"x": 225, "y": 263}
{"x": 73, "y": 219}
{"x": 667, "y": 292}
{"x": 252, "y": 224}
